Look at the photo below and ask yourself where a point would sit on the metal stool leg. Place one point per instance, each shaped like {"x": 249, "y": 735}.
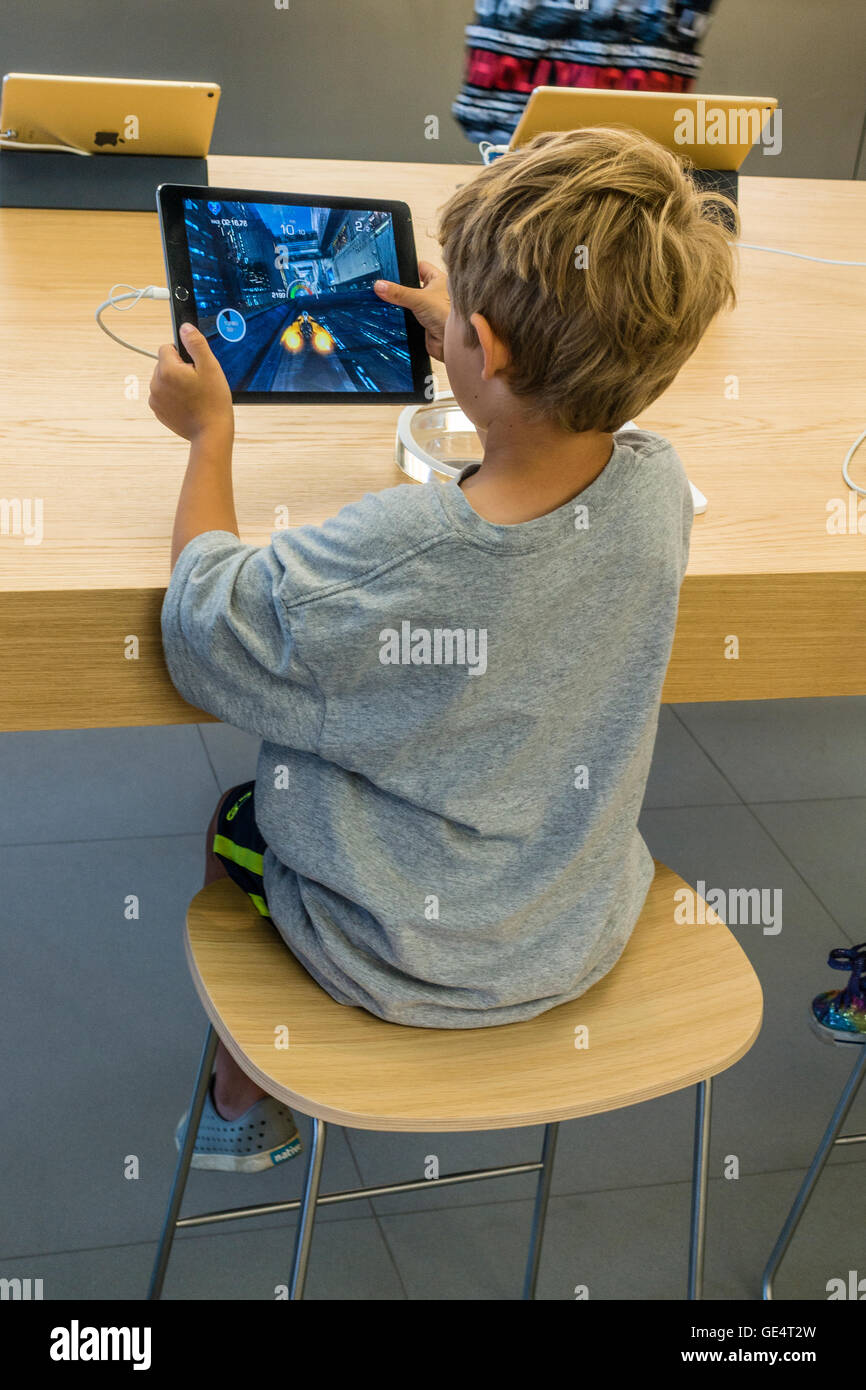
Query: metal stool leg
{"x": 307, "y": 1214}
{"x": 539, "y": 1214}
{"x": 700, "y": 1176}
{"x": 837, "y": 1119}
{"x": 183, "y": 1161}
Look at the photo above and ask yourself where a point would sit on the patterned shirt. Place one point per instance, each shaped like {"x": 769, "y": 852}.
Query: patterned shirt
{"x": 517, "y": 45}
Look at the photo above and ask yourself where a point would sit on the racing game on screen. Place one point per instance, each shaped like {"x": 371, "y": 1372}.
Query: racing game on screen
{"x": 284, "y": 296}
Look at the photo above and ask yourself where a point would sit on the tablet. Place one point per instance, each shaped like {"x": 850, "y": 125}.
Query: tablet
{"x": 281, "y": 284}
{"x": 109, "y": 115}
{"x": 716, "y": 132}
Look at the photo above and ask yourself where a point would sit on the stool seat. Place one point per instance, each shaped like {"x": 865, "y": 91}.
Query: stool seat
{"x": 681, "y": 1005}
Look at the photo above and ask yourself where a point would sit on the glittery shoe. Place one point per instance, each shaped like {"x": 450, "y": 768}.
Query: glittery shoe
{"x": 840, "y": 1014}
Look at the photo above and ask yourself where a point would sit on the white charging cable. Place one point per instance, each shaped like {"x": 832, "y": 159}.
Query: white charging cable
{"x": 800, "y": 255}
{"x": 9, "y": 140}
{"x": 489, "y": 151}
{"x": 116, "y": 301}
{"x": 855, "y": 487}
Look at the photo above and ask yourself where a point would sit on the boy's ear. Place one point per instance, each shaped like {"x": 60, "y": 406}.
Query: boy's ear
{"x": 495, "y": 354}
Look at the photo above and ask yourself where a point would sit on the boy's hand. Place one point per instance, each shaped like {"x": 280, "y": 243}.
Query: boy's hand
{"x": 430, "y": 305}
{"x": 191, "y": 398}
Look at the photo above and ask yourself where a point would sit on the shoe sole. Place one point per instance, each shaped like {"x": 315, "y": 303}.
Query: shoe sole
{"x": 833, "y": 1035}
{"x": 246, "y": 1163}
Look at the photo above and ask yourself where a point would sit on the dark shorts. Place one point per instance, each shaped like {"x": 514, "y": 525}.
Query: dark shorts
{"x": 238, "y": 844}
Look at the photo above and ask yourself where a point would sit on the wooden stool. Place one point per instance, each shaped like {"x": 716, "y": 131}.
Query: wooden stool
{"x": 682, "y": 1004}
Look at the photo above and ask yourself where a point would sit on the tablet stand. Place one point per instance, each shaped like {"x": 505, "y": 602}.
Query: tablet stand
{"x": 124, "y": 182}
{"x": 719, "y": 181}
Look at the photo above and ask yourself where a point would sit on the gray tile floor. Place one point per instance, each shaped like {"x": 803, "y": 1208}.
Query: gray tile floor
{"x": 101, "y": 1031}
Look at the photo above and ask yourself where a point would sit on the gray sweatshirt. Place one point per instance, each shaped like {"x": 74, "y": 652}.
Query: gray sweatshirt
{"x": 458, "y": 720}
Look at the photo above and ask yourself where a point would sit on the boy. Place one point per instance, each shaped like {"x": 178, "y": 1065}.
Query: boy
{"x": 457, "y": 685}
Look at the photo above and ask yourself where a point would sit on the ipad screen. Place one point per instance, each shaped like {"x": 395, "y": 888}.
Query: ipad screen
{"x": 284, "y": 295}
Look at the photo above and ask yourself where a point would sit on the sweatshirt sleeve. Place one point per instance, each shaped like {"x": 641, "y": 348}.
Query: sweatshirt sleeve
{"x": 228, "y": 643}
{"x": 248, "y": 632}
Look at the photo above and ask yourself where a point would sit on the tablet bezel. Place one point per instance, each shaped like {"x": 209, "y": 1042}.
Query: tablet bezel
{"x": 169, "y": 201}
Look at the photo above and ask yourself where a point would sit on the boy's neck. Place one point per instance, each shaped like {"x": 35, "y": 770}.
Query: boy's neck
{"x": 530, "y": 470}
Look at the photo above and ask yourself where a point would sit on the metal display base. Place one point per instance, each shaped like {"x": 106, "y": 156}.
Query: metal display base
{"x": 725, "y": 181}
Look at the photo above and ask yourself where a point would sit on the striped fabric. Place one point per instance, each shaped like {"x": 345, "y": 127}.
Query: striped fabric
{"x": 517, "y": 45}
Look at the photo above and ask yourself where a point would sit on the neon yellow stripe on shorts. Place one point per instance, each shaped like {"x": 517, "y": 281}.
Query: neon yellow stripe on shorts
{"x": 247, "y": 858}
{"x": 260, "y": 903}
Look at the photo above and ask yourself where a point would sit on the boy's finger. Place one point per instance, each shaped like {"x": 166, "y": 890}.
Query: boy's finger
{"x": 394, "y": 293}
{"x": 167, "y": 356}
{"x": 195, "y": 343}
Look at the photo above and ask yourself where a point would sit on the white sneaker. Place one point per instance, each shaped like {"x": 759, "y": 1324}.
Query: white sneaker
{"x": 263, "y": 1137}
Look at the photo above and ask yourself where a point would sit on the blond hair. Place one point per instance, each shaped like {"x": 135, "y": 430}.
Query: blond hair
{"x": 590, "y": 347}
